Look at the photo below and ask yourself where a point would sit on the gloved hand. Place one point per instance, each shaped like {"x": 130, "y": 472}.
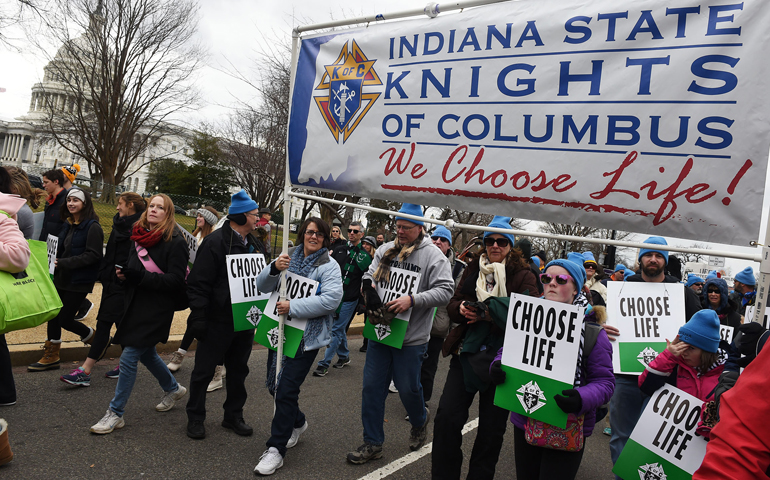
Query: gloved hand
{"x": 371, "y": 299}
{"x": 497, "y": 373}
{"x": 570, "y": 402}
{"x": 196, "y": 325}
{"x": 133, "y": 276}
{"x": 751, "y": 332}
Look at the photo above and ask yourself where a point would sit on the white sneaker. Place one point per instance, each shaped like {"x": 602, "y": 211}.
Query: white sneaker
{"x": 176, "y": 361}
{"x": 109, "y": 422}
{"x": 216, "y": 382}
{"x": 269, "y": 462}
{"x": 295, "y": 435}
{"x": 169, "y": 399}
{"x": 392, "y": 388}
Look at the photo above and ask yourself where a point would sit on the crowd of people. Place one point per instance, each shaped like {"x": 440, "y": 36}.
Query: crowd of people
{"x": 145, "y": 278}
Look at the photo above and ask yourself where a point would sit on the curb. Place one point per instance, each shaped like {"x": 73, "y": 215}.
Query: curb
{"x": 27, "y": 353}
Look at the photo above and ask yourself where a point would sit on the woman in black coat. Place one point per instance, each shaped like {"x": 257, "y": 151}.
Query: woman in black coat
{"x": 154, "y": 279}
{"x": 130, "y": 208}
{"x": 720, "y": 302}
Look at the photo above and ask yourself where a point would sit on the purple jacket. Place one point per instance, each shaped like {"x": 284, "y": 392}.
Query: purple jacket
{"x": 597, "y": 384}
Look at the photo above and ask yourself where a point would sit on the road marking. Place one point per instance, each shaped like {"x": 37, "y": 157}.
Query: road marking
{"x": 402, "y": 462}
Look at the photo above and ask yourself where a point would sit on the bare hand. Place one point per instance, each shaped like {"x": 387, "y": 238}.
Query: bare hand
{"x": 282, "y": 307}
{"x": 119, "y": 274}
{"x": 282, "y": 262}
{"x": 56, "y": 262}
{"x": 612, "y": 332}
{"x": 677, "y": 347}
{"x": 468, "y": 313}
{"x": 401, "y": 304}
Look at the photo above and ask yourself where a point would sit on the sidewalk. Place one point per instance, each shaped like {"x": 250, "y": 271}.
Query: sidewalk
{"x": 26, "y": 345}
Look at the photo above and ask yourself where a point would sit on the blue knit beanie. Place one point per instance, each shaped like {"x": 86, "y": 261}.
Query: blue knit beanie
{"x": 411, "y": 209}
{"x": 627, "y": 273}
{"x": 746, "y": 276}
{"x": 443, "y": 232}
{"x": 619, "y": 267}
{"x": 713, "y": 274}
{"x": 241, "y": 202}
{"x": 575, "y": 269}
{"x": 536, "y": 259}
{"x": 654, "y": 241}
{"x": 702, "y": 331}
{"x": 501, "y": 222}
{"x": 693, "y": 279}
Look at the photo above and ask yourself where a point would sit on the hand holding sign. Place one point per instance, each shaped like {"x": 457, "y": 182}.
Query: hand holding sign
{"x": 401, "y": 304}
{"x": 282, "y": 308}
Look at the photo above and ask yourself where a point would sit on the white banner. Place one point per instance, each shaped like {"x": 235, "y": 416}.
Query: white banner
{"x": 652, "y": 117}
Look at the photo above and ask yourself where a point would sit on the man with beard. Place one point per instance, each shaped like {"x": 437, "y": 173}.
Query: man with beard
{"x": 628, "y": 401}
{"x": 695, "y": 283}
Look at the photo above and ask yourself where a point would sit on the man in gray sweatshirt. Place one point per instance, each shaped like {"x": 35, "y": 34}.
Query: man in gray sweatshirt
{"x": 412, "y": 250}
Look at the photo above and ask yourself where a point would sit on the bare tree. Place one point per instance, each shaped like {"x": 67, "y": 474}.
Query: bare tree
{"x": 695, "y": 257}
{"x": 14, "y": 14}
{"x": 557, "y": 248}
{"x": 111, "y": 91}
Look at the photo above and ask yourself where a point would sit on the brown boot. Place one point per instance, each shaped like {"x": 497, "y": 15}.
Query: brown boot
{"x": 6, "y": 455}
{"x": 50, "y": 358}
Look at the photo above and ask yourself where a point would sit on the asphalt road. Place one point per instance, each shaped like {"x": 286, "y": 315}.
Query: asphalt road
{"x": 49, "y": 431}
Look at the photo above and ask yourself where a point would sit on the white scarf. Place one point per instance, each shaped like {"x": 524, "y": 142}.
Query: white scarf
{"x": 497, "y": 270}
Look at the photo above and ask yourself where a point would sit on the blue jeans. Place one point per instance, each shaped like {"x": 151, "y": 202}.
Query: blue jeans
{"x": 403, "y": 365}
{"x": 128, "y": 362}
{"x": 339, "y": 343}
{"x": 626, "y": 407}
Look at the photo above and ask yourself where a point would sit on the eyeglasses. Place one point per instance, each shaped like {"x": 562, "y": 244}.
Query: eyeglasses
{"x": 501, "y": 242}
{"x": 698, "y": 284}
{"x": 545, "y": 279}
{"x": 440, "y": 239}
{"x": 405, "y": 228}
{"x": 335, "y": 231}
{"x": 313, "y": 233}
{"x": 714, "y": 291}
{"x": 252, "y": 214}
{"x": 351, "y": 231}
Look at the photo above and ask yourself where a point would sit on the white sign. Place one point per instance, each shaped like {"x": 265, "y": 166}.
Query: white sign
{"x": 501, "y": 108}
{"x": 543, "y": 337}
{"x": 647, "y": 314}
{"x": 401, "y": 282}
{"x": 242, "y": 272}
{"x": 296, "y": 287}
{"x": 749, "y": 315}
{"x": 192, "y": 244}
{"x": 726, "y": 333}
{"x": 716, "y": 261}
{"x": 52, "y": 243}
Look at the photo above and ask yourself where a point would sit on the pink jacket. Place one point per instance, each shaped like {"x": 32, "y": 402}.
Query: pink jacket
{"x": 658, "y": 373}
{"x": 14, "y": 249}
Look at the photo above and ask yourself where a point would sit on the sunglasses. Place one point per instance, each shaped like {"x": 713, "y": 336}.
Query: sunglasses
{"x": 441, "y": 239}
{"x": 714, "y": 291}
{"x": 589, "y": 265}
{"x": 354, "y": 231}
{"x": 699, "y": 284}
{"x": 501, "y": 242}
{"x": 545, "y": 279}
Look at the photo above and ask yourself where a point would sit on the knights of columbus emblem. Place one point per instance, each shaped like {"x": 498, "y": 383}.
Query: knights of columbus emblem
{"x": 381, "y": 331}
{"x": 646, "y": 356}
{"x": 530, "y": 396}
{"x": 344, "y": 102}
{"x": 652, "y": 471}
{"x": 272, "y": 337}
{"x": 253, "y": 315}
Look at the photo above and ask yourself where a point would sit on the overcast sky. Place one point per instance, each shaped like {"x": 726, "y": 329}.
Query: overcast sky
{"x": 233, "y": 30}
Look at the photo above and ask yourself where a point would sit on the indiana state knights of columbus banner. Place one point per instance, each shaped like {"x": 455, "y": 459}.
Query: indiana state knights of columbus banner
{"x": 248, "y": 302}
{"x": 646, "y": 116}
{"x": 401, "y": 282}
{"x": 664, "y": 445}
{"x": 540, "y": 357}
{"x": 294, "y": 328}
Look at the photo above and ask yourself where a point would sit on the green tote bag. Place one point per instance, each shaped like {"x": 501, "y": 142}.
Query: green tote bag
{"x": 28, "y": 298}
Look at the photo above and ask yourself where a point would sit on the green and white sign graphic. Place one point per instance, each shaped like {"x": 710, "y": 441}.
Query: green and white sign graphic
{"x": 52, "y": 244}
{"x": 192, "y": 245}
{"x": 663, "y": 444}
{"x": 297, "y": 287}
{"x": 401, "y": 282}
{"x": 646, "y": 314}
{"x": 542, "y": 339}
{"x": 248, "y": 303}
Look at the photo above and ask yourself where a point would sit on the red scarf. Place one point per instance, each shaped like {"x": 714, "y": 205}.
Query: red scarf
{"x": 146, "y": 238}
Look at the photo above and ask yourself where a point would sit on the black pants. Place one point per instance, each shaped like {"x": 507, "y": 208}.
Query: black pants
{"x": 430, "y": 365}
{"x": 66, "y": 318}
{"x": 235, "y": 347}
{"x": 101, "y": 339}
{"x": 538, "y": 463}
{"x": 287, "y": 415}
{"x": 7, "y": 385}
{"x": 452, "y": 414}
{"x": 187, "y": 340}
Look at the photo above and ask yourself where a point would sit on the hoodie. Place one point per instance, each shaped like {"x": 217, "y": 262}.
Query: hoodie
{"x": 435, "y": 288}
{"x": 727, "y": 309}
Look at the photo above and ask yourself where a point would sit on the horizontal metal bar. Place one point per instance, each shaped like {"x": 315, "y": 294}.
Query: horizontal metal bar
{"x": 526, "y": 233}
{"x": 414, "y": 12}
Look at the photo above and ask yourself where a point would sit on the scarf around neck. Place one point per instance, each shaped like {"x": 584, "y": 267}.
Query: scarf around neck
{"x": 401, "y": 251}
{"x": 145, "y": 238}
{"x": 497, "y": 270}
